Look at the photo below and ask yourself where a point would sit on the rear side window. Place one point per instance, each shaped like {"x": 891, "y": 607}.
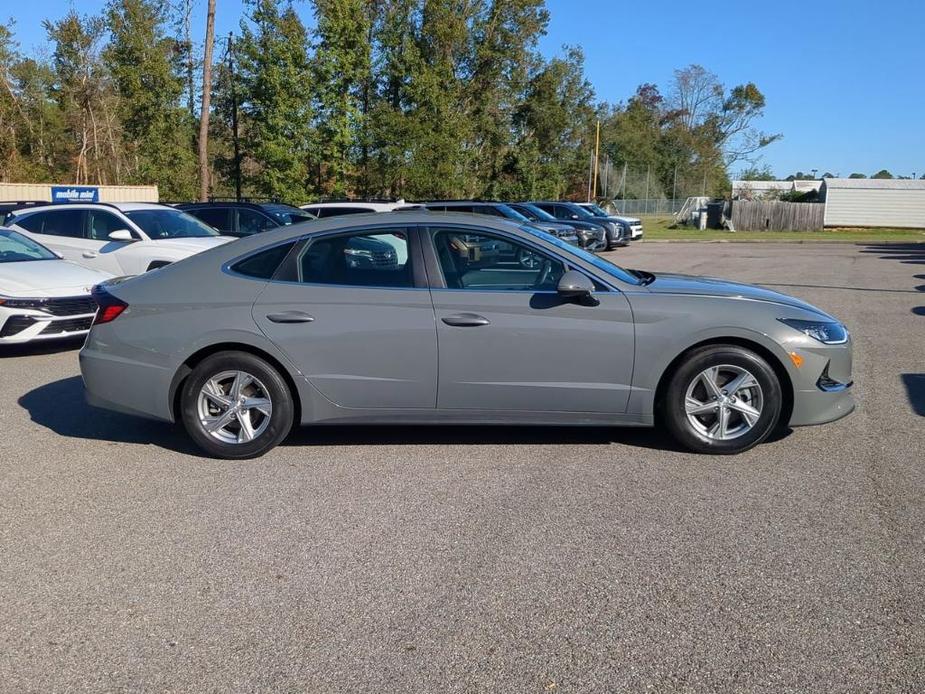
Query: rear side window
{"x": 216, "y": 217}
{"x": 358, "y": 260}
{"x": 340, "y": 211}
{"x": 263, "y": 265}
{"x": 31, "y": 222}
{"x": 68, "y": 223}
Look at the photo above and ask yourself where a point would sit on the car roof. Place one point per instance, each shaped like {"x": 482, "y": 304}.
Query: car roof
{"x": 364, "y": 204}
{"x": 121, "y": 206}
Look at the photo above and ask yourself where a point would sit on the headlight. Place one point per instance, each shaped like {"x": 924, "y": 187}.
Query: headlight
{"x": 827, "y": 332}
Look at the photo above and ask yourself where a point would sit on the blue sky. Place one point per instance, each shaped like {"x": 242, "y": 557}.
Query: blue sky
{"x": 844, "y": 79}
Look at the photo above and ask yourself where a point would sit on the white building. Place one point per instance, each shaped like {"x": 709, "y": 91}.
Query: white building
{"x": 752, "y": 190}
{"x": 872, "y": 202}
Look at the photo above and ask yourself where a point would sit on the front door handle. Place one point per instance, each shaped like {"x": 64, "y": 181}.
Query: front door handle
{"x": 290, "y": 317}
{"x": 89, "y": 254}
{"x": 465, "y": 320}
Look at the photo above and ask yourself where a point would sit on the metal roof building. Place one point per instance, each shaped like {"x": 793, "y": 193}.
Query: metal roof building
{"x": 871, "y": 202}
{"x": 67, "y": 192}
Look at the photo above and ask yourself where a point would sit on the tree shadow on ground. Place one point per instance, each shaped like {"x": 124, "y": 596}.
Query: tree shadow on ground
{"x": 913, "y": 253}
{"x": 915, "y": 392}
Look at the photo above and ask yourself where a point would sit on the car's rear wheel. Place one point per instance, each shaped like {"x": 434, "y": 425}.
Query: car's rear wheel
{"x": 722, "y": 399}
{"x": 236, "y": 405}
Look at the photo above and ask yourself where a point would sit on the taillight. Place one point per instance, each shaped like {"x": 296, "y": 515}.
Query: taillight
{"x": 110, "y": 307}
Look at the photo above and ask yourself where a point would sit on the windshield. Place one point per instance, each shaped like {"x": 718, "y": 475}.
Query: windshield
{"x": 170, "y": 224}
{"x": 596, "y": 210}
{"x": 16, "y": 248}
{"x": 511, "y": 213}
{"x": 595, "y": 260}
{"x": 539, "y": 214}
{"x": 287, "y": 214}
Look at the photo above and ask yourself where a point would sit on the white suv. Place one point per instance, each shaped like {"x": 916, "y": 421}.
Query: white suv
{"x": 126, "y": 238}
{"x": 337, "y": 209}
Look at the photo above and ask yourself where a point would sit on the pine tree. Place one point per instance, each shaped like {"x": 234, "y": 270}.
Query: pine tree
{"x": 276, "y": 101}
{"x": 158, "y": 130}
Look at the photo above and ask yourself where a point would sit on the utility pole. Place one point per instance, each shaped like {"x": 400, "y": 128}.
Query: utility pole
{"x": 648, "y": 169}
{"x": 590, "y": 171}
{"x": 206, "y": 104}
{"x": 234, "y": 122}
{"x": 674, "y": 189}
{"x": 597, "y": 150}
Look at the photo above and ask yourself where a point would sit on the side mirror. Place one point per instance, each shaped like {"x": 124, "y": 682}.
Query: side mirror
{"x": 577, "y": 287}
{"x": 123, "y": 235}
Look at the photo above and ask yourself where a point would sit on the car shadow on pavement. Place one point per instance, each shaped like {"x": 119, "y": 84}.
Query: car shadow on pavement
{"x": 915, "y": 391}
{"x": 480, "y": 435}
{"x": 60, "y": 407}
{"x": 31, "y": 349}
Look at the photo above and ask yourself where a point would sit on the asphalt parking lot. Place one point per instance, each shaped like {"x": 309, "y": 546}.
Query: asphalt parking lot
{"x": 482, "y": 560}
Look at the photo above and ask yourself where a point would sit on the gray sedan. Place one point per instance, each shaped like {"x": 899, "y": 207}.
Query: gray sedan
{"x": 313, "y": 324}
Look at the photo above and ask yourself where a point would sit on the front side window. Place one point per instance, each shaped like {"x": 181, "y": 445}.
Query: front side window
{"x": 102, "y": 224}
{"x": 16, "y": 248}
{"x": 253, "y": 222}
{"x": 170, "y": 224}
{"x": 369, "y": 259}
{"x": 487, "y": 262}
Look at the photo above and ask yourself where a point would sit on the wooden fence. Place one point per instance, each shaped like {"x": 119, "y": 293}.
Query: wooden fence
{"x": 748, "y": 215}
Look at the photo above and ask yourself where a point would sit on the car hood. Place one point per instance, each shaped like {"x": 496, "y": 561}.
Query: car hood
{"x": 712, "y": 286}
{"x": 46, "y": 278}
{"x": 553, "y": 226}
{"x": 626, "y": 220}
{"x": 194, "y": 244}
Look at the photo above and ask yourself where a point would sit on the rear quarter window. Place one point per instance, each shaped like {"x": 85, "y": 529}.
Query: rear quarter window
{"x": 263, "y": 265}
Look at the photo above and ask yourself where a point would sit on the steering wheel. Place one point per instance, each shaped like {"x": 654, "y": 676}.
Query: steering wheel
{"x": 545, "y": 275}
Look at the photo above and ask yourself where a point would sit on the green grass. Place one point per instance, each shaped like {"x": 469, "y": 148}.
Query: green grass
{"x": 657, "y": 229}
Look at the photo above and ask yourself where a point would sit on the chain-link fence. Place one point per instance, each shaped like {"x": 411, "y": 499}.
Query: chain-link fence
{"x": 644, "y": 190}
{"x": 650, "y": 206}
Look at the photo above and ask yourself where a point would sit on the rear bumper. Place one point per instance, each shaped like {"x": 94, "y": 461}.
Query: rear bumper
{"x": 125, "y": 385}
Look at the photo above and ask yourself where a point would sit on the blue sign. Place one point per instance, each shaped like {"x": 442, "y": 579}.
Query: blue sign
{"x": 75, "y": 194}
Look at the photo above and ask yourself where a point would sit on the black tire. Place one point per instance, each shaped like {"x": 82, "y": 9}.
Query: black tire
{"x": 267, "y": 378}
{"x": 727, "y": 359}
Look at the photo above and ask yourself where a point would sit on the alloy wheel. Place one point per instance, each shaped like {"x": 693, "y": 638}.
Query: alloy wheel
{"x": 724, "y": 402}
{"x": 234, "y": 407}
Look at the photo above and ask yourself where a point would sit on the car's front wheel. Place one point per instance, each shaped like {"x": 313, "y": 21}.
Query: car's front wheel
{"x": 235, "y": 405}
{"x": 722, "y": 399}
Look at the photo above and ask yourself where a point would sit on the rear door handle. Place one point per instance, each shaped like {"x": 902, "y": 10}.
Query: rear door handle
{"x": 465, "y": 320}
{"x": 89, "y": 254}
{"x": 290, "y": 317}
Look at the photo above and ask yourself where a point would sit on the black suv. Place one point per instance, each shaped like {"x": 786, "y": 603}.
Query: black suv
{"x": 245, "y": 218}
{"x": 500, "y": 209}
{"x": 617, "y": 234}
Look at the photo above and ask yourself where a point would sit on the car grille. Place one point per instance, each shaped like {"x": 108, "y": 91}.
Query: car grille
{"x": 15, "y": 325}
{"x": 65, "y": 306}
{"x": 73, "y": 325}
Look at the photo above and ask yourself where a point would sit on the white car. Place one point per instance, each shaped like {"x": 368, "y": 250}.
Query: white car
{"x": 337, "y": 209}
{"x": 632, "y": 223}
{"x": 42, "y": 297}
{"x": 121, "y": 239}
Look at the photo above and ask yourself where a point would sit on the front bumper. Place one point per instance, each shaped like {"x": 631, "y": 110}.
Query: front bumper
{"x": 637, "y": 231}
{"x": 822, "y": 384}
{"x": 18, "y": 326}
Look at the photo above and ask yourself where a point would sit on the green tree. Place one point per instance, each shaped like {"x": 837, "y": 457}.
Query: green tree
{"x": 83, "y": 91}
{"x": 277, "y": 130}
{"x": 882, "y": 173}
{"x": 340, "y": 74}
{"x": 755, "y": 173}
{"x": 157, "y": 130}
{"x": 858, "y": 175}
